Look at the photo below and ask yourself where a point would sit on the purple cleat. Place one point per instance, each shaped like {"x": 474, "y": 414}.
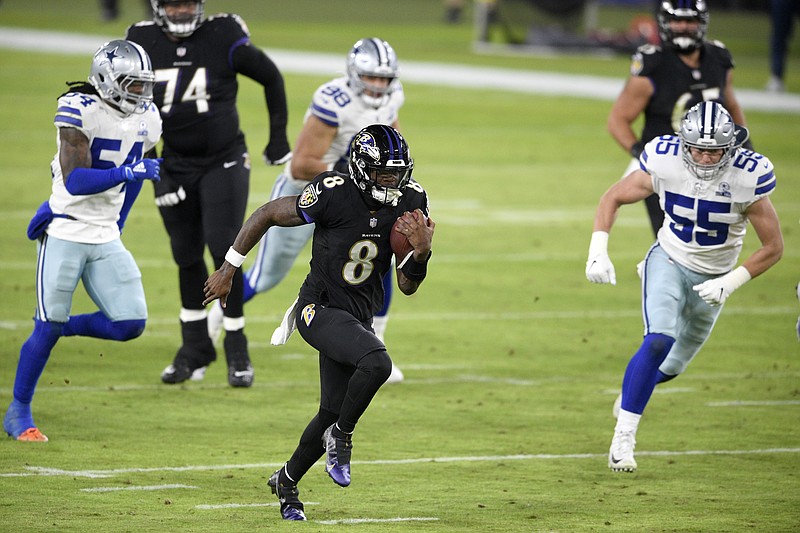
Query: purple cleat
{"x": 337, "y": 461}
{"x": 291, "y": 506}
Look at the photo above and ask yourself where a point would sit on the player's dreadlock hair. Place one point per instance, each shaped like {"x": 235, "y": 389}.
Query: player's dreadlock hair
{"x": 79, "y": 87}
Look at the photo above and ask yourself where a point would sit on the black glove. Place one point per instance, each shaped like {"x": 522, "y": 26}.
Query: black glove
{"x": 637, "y": 149}
{"x": 277, "y": 152}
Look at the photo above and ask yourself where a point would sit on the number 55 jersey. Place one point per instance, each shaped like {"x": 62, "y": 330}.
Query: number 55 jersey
{"x": 705, "y": 220}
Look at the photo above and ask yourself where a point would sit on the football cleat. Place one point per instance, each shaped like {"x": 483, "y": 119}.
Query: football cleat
{"x": 291, "y": 506}
{"x": 18, "y": 423}
{"x": 337, "y": 460}
{"x": 620, "y": 456}
{"x": 215, "y": 320}
{"x": 396, "y": 376}
{"x": 32, "y": 435}
{"x": 240, "y": 371}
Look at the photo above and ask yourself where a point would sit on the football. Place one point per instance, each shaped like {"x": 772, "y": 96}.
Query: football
{"x": 399, "y": 242}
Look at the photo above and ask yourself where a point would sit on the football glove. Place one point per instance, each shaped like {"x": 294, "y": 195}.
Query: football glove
{"x": 146, "y": 169}
{"x": 599, "y": 268}
{"x": 716, "y": 290}
{"x": 167, "y": 195}
{"x": 277, "y": 152}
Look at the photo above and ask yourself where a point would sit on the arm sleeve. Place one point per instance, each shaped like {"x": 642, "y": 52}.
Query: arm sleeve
{"x": 256, "y": 65}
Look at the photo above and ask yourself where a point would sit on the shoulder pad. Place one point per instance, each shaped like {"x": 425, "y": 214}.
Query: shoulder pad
{"x": 230, "y": 18}
{"x": 718, "y": 44}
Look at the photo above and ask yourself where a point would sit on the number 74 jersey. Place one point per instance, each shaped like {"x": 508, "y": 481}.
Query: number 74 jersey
{"x": 705, "y": 220}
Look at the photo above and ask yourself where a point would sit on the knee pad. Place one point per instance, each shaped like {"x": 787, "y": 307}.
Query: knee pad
{"x": 124, "y": 330}
{"x": 658, "y": 345}
{"x": 48, "y": 330}
{"x": 377, "y": 363}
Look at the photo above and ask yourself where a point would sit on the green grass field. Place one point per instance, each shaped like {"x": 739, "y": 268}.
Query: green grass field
{"x": 512, "y": 359}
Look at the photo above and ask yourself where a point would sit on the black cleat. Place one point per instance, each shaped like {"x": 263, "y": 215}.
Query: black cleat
{"x": 291, "y": 506}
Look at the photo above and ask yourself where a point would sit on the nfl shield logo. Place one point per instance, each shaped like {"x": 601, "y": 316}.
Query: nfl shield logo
{"x": 373, "y": 222}
{"x": 181, "y": 51}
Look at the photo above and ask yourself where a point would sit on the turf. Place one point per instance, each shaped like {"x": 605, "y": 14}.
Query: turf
{"x": 512, "y": 359}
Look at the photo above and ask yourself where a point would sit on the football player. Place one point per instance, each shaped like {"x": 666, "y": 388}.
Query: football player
{"x": 667, "y": 80}
{"x": 202, "y": 196}
{"x": 351, "y": 255}
{"x": 106, "y": 130}
{"x": 710, "y": 188}
{"x": 370, "y": 93}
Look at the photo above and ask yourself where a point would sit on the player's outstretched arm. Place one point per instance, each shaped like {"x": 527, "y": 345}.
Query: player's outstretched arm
{"x": 279, "y": 212}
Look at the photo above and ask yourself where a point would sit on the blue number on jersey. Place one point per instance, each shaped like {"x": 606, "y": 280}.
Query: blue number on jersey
{"x": 340, "y": 97}
{"x": 747, "y": 160}
{"x": 707, "y": 233}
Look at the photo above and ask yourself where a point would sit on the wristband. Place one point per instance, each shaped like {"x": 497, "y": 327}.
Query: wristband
{"x": 415, "y": 271}
{"x": 235, "y": 258}
{"x": 738, "y": 277}
{"x": 599, "y": 244}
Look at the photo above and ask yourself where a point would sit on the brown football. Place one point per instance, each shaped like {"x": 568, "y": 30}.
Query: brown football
{"x": 399, "y": 242}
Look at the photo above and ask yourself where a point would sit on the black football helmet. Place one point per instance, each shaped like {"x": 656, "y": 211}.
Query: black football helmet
{"x": 377, "y": 153}
{"x": 688, "y": 10}
{"x": 182, "y": 27}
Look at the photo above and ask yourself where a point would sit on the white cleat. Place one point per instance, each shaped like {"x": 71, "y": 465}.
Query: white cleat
{"x": 396, "y": 376}
{"x": 215, "y": 319}
{"x": 620, "y": 456}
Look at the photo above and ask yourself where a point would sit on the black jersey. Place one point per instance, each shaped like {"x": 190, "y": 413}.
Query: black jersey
{"x": 677, "y": 86}
{"x": 351, "y": 251}
{"x": 196, "y": 84}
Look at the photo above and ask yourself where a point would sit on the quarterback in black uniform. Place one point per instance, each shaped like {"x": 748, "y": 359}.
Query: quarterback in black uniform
{"x": 202, "y": 196}
{"x": 667, "y": 80}
{"x": 351, "y": 253}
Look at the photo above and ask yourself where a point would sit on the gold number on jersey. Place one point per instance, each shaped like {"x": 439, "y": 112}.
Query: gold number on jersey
{"x": 360, "y": 266}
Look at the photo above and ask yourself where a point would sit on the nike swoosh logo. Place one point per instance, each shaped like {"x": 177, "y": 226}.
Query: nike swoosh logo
{"x": 615, "y": 460}
{"x": 242, "y": 373}
{"x": 228, "y": 164}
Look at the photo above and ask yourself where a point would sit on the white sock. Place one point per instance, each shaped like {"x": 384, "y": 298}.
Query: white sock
{"x": 379, "y": 324}
{"x": 627, "y": 421}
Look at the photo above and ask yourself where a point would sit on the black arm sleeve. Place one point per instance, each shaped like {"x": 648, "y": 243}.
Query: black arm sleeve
{"x": 256, "y": 65}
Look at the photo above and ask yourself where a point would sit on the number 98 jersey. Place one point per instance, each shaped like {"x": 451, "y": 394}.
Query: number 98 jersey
{"x": 705, "y": 221}
{"x": 351, "y": 251}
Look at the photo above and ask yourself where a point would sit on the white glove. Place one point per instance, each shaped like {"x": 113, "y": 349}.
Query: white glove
{"x": 599, "y": 268}
{"x": 716, "y": 290}
{"x": 171, "y": 199}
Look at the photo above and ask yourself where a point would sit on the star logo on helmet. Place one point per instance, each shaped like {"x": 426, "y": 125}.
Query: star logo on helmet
{"x": 112, "y": 54}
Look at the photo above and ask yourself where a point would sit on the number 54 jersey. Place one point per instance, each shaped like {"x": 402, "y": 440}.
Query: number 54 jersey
{"x": 705, "y": 220}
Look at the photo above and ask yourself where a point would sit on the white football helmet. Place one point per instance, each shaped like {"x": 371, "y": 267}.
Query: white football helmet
{"x": 183, "y": 26}
{"x": 709, "y": 126}
{"x": 372, "y": 57}
{"x": 123, "y": 76}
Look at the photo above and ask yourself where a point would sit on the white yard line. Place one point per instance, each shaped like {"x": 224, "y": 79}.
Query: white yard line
{"x": 46, "y": 471}
{"x": 138, "y": 487}
{"x": 437, "y": 74}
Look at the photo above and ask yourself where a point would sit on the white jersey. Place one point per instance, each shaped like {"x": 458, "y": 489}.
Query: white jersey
{"x": 705, "y": 222}
{"x": 337, "y": 105}
{"x": 113, "y": 141}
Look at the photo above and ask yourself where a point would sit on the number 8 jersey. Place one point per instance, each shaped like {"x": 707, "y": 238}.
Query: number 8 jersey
{"x": 351, "y": 251}
{"x": 705, "y": 221}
